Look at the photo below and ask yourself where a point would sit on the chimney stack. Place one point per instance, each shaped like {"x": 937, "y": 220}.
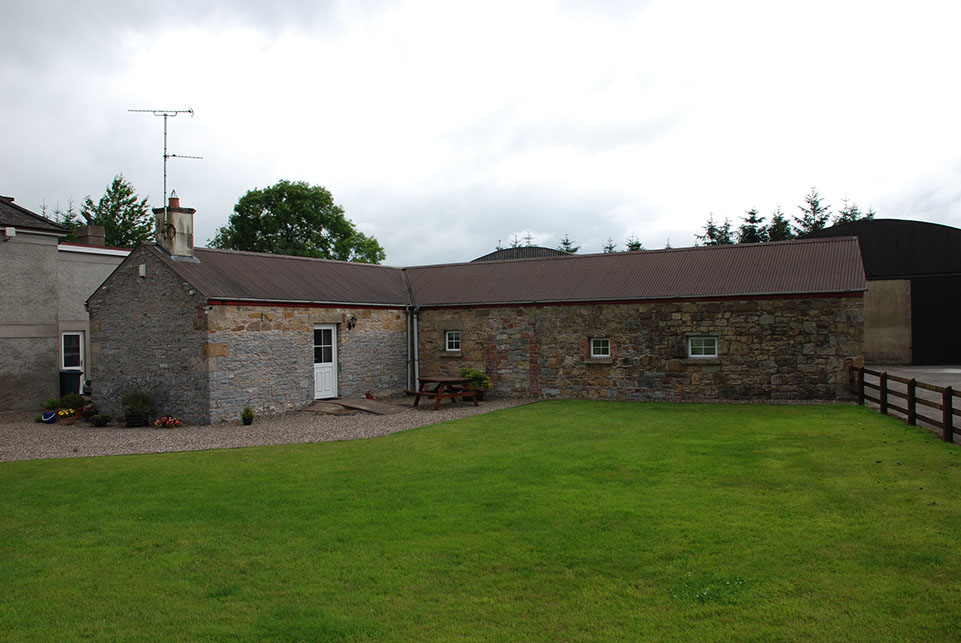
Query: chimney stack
{"x": 91, "y": 235}
{"x": 175, "y": 228}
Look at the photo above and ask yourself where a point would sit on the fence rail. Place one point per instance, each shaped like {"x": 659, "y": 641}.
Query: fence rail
{"x": 947, "y": 423}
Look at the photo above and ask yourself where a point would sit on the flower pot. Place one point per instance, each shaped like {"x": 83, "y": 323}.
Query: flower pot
{"x": 247, "y": 421}
{"x": 99, "y": 422}
{"x": 66, "y": 421}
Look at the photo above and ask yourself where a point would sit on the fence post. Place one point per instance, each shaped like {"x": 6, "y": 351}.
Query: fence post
{"x": 861, "y": 386}
{"x": 912, "y": 402}
{"x": 883, "y": 393}
{"x": 947, "y": 415}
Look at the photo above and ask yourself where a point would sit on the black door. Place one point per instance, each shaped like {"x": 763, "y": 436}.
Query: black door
{"x": 935, "y": 320}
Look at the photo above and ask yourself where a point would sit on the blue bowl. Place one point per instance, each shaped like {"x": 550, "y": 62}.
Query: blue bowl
{"x": 50, "y": 417}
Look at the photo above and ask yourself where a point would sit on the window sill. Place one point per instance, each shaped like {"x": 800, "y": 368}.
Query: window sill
{"x": 598, "y": 360}
{"x": 700, "y": 360}
{"x": 452, "y": 354}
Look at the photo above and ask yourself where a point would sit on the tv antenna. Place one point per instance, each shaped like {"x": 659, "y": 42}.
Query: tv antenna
{"x": 165, "y": 113}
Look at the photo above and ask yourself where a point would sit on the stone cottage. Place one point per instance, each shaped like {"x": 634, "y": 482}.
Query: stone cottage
{"x": 211, "y": 331}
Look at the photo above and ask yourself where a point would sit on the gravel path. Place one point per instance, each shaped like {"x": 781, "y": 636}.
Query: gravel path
{"x": 23, "y": 439}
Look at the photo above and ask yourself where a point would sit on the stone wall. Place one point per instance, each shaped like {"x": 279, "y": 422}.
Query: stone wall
{"x": 149, "y": 332}
{"x": 262, "y": 356}
{"x": 789, "y": 348}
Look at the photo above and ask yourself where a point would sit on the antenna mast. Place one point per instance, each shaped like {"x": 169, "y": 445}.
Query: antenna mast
{"x": 165, "y": 113}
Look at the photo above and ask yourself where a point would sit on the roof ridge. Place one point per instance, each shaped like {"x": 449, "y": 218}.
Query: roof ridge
{"x": 7, "y": 200}
{"x": 297, "y": 257}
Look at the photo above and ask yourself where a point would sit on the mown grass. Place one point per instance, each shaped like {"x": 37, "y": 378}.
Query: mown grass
{"x": 567, "y": 520}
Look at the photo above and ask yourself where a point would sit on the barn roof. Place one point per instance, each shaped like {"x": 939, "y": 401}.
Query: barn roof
{"x": 780, "y": 268}
{"x": 900, "y": 248}
{"x": 253, "y": 276}
{"x": 14, "y": 215}
{"x": 769, "y": 269}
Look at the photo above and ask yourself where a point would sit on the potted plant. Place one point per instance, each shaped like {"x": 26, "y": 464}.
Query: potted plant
{"x": 168, "y": 422}
{"x": 479, "y": 381}
{"x": 369, "y": 394}
{"x": 87, "y": 412}
{"x": 138, "y": 408}
{"x": 247, "y": 415}
{"x": 100, "y": 420}
{"x": 66, "y": 416}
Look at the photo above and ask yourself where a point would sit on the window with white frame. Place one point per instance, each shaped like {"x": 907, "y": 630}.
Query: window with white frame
{"x": 701, "y": 347}
{"x": 452, "y": 341}
{"x": 71, "y": 353}
{"x": 600, "y": 347}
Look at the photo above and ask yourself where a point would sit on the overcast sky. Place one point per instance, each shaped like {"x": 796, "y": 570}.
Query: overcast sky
{"x": 444, "y": 127}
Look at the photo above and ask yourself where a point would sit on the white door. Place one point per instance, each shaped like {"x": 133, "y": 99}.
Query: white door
{"x": 325, "y": 361}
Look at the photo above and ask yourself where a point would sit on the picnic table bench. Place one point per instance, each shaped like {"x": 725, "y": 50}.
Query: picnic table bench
{"x": 446, "y": 388}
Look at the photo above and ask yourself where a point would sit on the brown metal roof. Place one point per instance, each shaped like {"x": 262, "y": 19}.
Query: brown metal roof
{"x": 780, "y": 268}
{"x": 252, "y": 276}
{"x": 14, "y": 215}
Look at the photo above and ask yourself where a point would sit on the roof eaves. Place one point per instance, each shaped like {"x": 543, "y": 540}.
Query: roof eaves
{"x": 582, "y": 300}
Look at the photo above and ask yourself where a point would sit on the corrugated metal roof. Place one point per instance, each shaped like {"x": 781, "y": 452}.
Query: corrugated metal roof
{"x": 792, "y": 267}
{"x": 781, "y": 268}
{"x": 252, "y": 276}
{"x": 14, "y": 215}
{"x": 521, "y": 252}
{"x": 902, "y": 248}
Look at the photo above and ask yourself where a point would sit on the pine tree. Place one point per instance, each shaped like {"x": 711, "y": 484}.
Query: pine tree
{"x": 851, "y": 212}
{"x": 567, "y": 245}
{"x": 780, "y": 228}
{"x": 125, "y": 217}
{"x": 814, "y": 216}
{"x": 633, "y": 244}
{"x": 752, "y": 228}
{"x": 610, "y": 246}
{"x": 715, "y": 235}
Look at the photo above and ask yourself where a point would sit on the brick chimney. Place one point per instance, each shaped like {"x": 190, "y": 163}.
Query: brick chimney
{"x": 175, "y": 228}
{"x": 91, "y": 235}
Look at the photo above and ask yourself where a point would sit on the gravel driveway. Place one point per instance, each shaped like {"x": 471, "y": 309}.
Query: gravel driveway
{"x": 23, "y": 439}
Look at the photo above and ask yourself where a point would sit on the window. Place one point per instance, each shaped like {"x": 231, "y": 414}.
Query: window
{"x": 699, "y": 347}
{"x": 453, "y": 340}
{"x": 71, "y": 350}
{"x": 600, "y": 347}
{"x": 323, "y": 346}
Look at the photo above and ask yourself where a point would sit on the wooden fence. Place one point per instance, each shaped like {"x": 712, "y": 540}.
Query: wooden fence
{"x": 912, "y": 400}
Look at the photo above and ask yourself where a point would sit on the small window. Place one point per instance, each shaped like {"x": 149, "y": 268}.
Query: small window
{"x": 71, "y": 351}
{"x": 600, "y": 347}
{"x": 702, "y": 347}
{"x": 453, "y": 340}
{"x": 323, "y": 346}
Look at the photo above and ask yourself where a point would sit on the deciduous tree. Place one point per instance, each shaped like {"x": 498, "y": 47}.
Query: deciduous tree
{"x": 296, "y": 218}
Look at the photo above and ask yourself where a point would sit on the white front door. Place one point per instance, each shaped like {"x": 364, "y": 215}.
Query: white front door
{"x": 325, "y": 361}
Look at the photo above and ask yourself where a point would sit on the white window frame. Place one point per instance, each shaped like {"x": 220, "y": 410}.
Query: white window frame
{"x": 699, "y": 339}
{"x": 606, "y": 342}
{"x": 63, "y": 353}
{"x": 452, "y": 341}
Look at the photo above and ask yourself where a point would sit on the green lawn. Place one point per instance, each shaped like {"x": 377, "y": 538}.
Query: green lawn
{"x": 559, "y": 520}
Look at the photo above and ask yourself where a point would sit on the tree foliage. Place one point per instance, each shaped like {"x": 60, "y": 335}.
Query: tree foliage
{"x": 125, "y": 217}
{"x": 633, "y": 244}
{"x": 567, "y": 245}
{"x": 752, "y": 228}
{"x": 714, "y": 234}
{"x": 850, "y": 212}
{"x": 780, "y": 228}
{"x": 815, "y": 214}
{"x": 610, "y": 246}
{"x": 296, "y": 218}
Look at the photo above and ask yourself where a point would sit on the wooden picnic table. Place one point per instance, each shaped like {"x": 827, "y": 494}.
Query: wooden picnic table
{"x": 446, "y": 388}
